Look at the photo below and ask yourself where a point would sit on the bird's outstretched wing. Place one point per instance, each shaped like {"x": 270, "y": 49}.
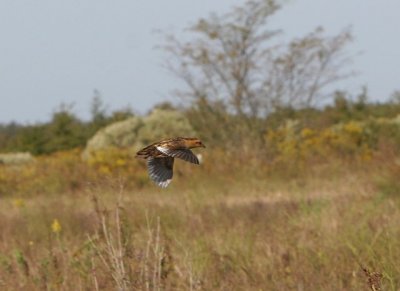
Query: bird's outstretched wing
{"x": 184, "y": 154}
{"x": 161, "y": 170}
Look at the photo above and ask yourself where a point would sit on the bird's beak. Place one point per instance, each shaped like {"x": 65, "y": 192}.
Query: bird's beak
{"x": 203, "y": 146}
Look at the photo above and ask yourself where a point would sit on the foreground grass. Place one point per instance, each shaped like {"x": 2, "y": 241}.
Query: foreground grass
{"x": 317, "y": 231}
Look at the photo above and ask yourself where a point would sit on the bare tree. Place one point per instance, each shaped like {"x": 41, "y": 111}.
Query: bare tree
{"x": 230, "y": 59}
{"x": 235, "y": 74}
{"x": 222, "y": 63}
{"x": 297, "y": 76}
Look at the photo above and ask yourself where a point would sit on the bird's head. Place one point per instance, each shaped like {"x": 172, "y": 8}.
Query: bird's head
{"x": 194, "y": 143}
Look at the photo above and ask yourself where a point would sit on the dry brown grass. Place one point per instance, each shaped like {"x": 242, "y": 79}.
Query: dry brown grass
{"x": 215, "y": 228}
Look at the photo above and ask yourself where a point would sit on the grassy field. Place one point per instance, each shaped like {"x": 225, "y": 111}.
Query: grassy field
{"x": 328, "y": 226}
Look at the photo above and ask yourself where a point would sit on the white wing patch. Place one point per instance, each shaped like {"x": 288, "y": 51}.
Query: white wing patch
{"x": 184, "y": 154}
{"x": 163, "y": 150}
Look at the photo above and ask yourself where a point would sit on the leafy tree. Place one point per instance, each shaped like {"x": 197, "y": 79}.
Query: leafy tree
{"x": 31, "y": 138}
{"x": 65, "y": 131}
{"x": 8, "y": 133}
{"x": 98, "y": 111}
{"x": 120, "y": 115}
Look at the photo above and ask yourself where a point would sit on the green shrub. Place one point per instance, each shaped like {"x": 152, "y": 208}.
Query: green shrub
{"x": 137, "y": 132}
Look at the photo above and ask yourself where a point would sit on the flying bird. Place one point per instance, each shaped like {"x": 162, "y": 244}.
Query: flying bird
{"x": 160, "y": 157}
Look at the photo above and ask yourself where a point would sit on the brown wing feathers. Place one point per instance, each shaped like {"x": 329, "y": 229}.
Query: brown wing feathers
{"x": 160, "y": 157}
{"x": 184, "y": 154}
{"x": 161, "y": 170}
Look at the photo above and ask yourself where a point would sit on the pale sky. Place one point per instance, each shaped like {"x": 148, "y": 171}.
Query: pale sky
{"x": 54, "y": 52}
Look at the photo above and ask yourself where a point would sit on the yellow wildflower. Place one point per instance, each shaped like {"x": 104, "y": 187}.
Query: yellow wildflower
{"x": 307, "y": 132}
{"x": 104, "y": 169}
{"x": 19, "y": 203}
{"x": 56, "y": 226}
{"x": 120, "y": 162}
{"x": 353, "y": 127}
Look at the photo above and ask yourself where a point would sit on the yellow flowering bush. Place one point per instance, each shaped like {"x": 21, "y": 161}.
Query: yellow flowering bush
{"x": 66, "y": 172}
{"x": 107, "y": 161}
{"x": 291, "y": 142}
